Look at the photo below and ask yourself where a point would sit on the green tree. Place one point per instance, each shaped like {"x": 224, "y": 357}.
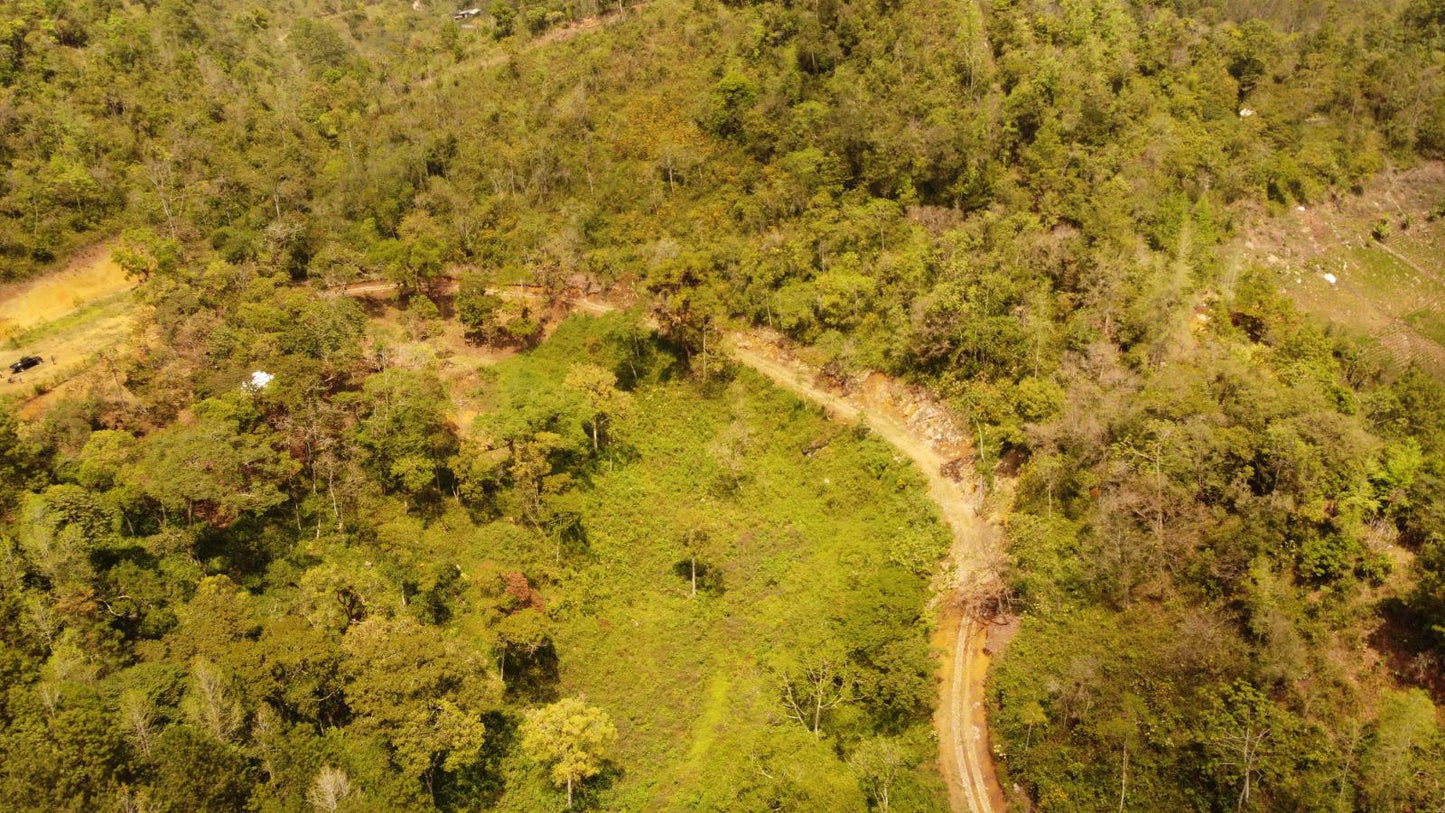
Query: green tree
{"x": 142, "y": 253}
{"x": 570, "y": 737}
{"x": 220, "y": 467}
{"x": 605, "y": 404}
{"x": 479, "y": 310}
{"x": 196, "y": 772}
{"x": 504, "y": 19}
{"x": 418, "y": 691}
{"x": 1401, "y": 766}
{"x": 20, "y": 460}
{"x": 523, "y": 633}
{"x": 405, "y": 433}
{"x": 879, "y": 762}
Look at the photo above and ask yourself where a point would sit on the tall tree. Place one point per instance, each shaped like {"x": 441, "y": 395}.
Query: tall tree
{"x": 571, "y": 737}
{"x": 605, "y": 404}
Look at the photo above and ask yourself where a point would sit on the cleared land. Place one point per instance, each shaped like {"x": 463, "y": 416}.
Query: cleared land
{"x": 910, "y": 423}
{"x": 804, "y": 538}
{"x": 438, "y": 344}
{"x": 1390, "y": 290}
{"x": 927, "y": 436}
{"x": 66, "y": 318}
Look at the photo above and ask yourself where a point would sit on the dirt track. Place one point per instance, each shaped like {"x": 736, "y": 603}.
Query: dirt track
{"x": 964, "y": 754}
{"x": 965, "y": 757}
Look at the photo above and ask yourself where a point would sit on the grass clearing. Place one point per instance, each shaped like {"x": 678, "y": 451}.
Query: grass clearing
{"x": 66, "y": 318}
{"x": 1392, "y": 291}
{"x": 92, "y": 276}
{"x": 1430, "y": 324}
{"x": 805, "y": 529}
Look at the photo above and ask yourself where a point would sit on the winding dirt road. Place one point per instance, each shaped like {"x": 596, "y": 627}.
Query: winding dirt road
{"x": 964, "y": 754}
{"x": 960, "y": 721}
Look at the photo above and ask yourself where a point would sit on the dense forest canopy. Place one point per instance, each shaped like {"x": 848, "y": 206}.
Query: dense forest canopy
{"x": 1227, "y": 538}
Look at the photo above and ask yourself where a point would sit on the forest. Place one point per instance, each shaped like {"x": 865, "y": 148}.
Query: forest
{"x": 629, "y": 575}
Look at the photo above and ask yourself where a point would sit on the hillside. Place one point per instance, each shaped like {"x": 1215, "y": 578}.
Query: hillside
{"x": 1096, "y": 233}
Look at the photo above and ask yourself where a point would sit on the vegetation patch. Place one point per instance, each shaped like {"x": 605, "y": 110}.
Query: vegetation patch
{"x": 293, "y": 552}
{"x": 1430, "y": 324}
{"x": 793, "y": 521}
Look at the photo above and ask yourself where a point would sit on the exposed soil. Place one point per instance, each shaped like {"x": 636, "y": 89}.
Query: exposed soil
{"x": 926, "y": 431}
{"x": 912, "y": 422}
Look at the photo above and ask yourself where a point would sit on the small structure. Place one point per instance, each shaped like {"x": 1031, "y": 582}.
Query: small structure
{"x": 466, "y": 14}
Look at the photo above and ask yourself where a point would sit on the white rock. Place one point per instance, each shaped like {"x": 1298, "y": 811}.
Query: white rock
{"x": 1331, "y": 279}
{"x": 259, "y": 380}
{"x": 1245, "y": 112}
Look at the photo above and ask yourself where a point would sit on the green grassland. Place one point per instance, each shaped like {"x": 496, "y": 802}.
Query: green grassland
{"x": 1428, "y": 323}
{"x": 1390, "y": 292}
{"x": 817, "y": 548}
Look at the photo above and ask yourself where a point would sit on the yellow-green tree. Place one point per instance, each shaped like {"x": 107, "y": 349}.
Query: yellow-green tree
{"x": 605, "y": 403}
{"x": 570, "y": 736}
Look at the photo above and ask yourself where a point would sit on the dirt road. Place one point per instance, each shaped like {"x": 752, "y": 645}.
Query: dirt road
{"x": 965, "y": 757}
{"x": 961, "y": 723}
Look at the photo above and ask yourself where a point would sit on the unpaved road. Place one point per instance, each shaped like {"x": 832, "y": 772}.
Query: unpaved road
{"x": 964, "y": 754}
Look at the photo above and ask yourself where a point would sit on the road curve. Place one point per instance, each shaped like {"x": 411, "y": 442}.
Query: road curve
{"x": 960, "y": 722}
{"x": 965, "y": 758}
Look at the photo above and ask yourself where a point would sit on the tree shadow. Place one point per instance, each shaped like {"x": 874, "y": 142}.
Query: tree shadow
{"x": 244, "y": 548}
{"x": 590, "y": 794}
{"x": 709, "y": 577}
{"x": 480, "y": 786}
{"x": 534, "y": 677}
{"x": 1409, "y": 649}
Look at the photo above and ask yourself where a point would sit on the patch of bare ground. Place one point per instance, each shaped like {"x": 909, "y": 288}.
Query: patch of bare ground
{"x": 927, "y": 432}
{"x": 1330, "y": 259}
{"x": 439, "y": 344}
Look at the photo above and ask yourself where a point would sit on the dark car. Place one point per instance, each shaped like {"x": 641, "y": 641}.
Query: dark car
{"x": 25, "y": 363}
